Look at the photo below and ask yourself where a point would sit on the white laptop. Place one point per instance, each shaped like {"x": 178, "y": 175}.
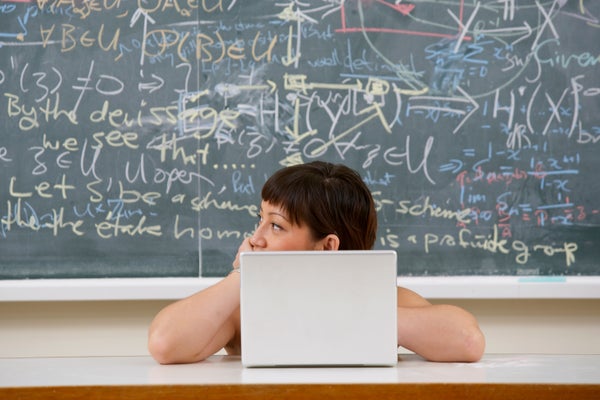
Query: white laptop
{"x": 318, "y": 308}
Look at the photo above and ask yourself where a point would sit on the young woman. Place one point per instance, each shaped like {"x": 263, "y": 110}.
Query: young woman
{"x": 315, "y": 206}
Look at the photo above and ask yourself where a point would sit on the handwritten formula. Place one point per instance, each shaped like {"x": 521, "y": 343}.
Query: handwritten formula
{"x": 136, "y": 135}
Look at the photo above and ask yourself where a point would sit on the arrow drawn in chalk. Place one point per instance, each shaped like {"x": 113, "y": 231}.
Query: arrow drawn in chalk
{"x": 136, "y": 16}
{"x": 152, "y": 86}
{"x": 466, "y": 99}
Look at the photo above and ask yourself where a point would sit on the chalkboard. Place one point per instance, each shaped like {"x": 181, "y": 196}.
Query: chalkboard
{"x": 136, "y": 135}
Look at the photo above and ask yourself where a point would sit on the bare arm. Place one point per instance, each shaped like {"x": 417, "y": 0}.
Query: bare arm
{"x": 437, "y": 332}
{"x": 198, "y": 326}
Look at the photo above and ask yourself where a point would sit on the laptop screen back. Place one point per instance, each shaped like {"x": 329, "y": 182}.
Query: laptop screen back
{"x": 318, "y": 308}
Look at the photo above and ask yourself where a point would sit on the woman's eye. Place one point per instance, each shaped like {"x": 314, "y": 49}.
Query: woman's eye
{"x": 276, "y": 227}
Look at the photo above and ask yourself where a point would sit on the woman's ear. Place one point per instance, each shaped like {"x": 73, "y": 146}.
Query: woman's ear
{"x": 330, "y": 242}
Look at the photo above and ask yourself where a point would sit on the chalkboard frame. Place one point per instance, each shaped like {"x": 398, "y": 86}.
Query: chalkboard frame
{"x": 455, "y": 287}
{"x": 290, "y": 80}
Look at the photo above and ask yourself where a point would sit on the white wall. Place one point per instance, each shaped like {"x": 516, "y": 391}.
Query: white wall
{"x": 118, "y": 328}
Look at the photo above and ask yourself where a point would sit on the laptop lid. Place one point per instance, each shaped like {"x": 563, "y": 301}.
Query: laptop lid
{"x": 318, "y": 308}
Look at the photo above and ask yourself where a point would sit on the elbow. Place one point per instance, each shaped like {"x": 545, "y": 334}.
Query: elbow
{"x": 166, "y": 349}
{"x": 471, "y": 344}
{"x": 474, "y": 345}
{"x": 159, "y": 348}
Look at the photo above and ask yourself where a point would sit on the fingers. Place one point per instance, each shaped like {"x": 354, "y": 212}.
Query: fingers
{"x": 245, "y": 246}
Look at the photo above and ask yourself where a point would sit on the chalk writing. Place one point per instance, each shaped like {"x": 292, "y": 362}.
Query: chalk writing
{"x": 136, "y": 135}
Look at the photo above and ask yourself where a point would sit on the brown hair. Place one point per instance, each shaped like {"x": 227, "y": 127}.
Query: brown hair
{"x": 328, "y": 198}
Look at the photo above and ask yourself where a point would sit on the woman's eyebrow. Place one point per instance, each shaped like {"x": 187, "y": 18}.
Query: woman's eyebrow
{"x": 279, "y": 214}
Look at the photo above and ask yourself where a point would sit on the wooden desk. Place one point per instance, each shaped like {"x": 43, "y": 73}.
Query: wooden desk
{"x": 223, "y": 377}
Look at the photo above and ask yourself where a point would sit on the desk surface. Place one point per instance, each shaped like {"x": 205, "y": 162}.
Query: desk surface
{"x": 529, "y": 372}
{"x": 23, "y": 372}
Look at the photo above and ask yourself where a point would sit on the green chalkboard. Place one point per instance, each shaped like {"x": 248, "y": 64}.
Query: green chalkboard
{"x": 135, "y": 136}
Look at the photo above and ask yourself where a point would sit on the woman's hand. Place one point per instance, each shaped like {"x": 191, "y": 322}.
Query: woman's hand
{"x": 245, "y": 246}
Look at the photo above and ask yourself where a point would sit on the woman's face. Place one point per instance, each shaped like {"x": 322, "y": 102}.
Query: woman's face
{"x": 275, "y": 232}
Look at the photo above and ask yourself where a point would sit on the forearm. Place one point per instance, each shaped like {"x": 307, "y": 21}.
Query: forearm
{"x": 194, "y": 328}
{"x": 440, "y": 333}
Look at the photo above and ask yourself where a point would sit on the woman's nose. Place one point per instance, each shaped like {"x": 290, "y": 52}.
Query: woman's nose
{"x": 257, "y": 239}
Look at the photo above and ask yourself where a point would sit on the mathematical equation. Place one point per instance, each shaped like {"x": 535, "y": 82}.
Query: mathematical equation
{"x": 153, "y": 124}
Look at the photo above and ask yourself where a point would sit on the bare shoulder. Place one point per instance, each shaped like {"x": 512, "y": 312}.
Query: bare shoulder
{"x": 408, "y": 298}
